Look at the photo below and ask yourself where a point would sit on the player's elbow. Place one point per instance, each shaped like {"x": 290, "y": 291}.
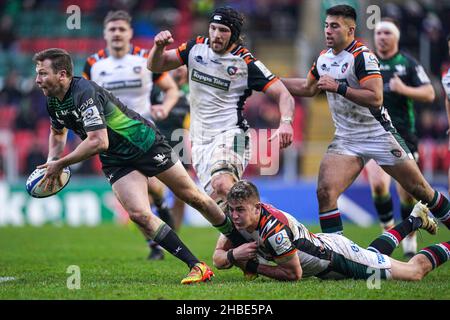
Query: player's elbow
{"x": 430, "y": 95}
{"x": 377, "y": 100}
{"x": 220, "y": 263}
{"x": 99, "y": 144}
{"x": 294, "y": 274}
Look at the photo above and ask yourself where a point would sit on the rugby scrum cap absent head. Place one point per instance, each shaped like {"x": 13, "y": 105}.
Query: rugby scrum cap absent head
{"x": 230, "y": 18}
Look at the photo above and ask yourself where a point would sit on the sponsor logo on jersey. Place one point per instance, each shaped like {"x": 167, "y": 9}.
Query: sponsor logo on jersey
{"x": 371, "y": 61}
{"x": 344, "y": 67}
{"x": 231, "y": 70}
{"x": 104, "y": 73}
{"x": 385, "y": 67}
{"x": 199, "y": 59}
{"x": 324, "y": 67}
{"x": 209, "y": 80}
{"x": 280, "y": 242}
{"x": 397, "y": 153}
{"x": 215, "y": 61}
{"x": 400, "y": 69}
{"x": 335, "y": 64}
{"x": 137, "y": 69}
{"x": 128, "y": 84}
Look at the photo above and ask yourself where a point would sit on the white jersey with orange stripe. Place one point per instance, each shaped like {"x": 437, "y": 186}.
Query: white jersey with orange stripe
{"x": 219, "y": 85}
{"x": 127, "y": 78}
{"x": 352, "y": 66}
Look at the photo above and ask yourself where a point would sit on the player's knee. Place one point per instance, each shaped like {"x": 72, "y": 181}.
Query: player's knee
{"x": 379, "y": 189}
{"x": 138, "y": 216}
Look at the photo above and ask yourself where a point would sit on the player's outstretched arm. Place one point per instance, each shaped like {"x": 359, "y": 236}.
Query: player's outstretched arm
{"x": 160, "y": 59}
{"x": 301, "y": 87}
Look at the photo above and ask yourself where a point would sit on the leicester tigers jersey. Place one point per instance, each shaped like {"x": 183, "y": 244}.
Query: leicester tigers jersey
{"x": 352, "y": 66}
{"x": 127, "y": 78}
{"x": 219, "y": 86}
{"x": 446, "y": 84}
{"x": 279, "y": 235}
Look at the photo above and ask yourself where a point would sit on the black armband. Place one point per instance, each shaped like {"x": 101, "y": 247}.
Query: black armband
{"x": 252, "y": 266}
{"x": 230, "y": 256}
{"x": 342, "y": 89}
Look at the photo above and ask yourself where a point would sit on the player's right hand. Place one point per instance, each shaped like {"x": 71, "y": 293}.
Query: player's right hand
{"x": 164, "y": 38}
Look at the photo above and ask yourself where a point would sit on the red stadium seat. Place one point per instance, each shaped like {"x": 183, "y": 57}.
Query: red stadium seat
{"x": 23, "y": 140}
{"x": 7, "y": 116}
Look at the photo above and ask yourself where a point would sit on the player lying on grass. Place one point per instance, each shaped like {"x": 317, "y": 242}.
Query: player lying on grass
{"x": 131, "y": 150}
{"x": 276, "y": 236}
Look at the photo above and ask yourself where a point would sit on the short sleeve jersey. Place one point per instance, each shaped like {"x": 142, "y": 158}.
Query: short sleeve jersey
{"x": 127, "y": 78}
{"x": 401, "y": 108}
{"x": 88, "y": 107}
{"x": 219, "y": 86}
{"x": 351, "y": 66}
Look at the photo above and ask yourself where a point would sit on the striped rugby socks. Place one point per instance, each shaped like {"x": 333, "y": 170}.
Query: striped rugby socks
{"x": 331, "y": 221}
{"x": 437, "y": 253}
{"x": 390, "y": 239}
{"x": 440, "y": 208}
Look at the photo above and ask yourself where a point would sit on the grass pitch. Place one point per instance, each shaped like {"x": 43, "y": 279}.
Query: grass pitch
{"x": 112, "y": 263}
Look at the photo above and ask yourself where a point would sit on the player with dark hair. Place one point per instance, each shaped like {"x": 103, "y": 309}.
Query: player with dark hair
{"x": 350, "y": 75}
{"x": 131, "y": 149}
{"x": 121, "y": 69}
{"x": 404, "y": 82}
{"x": 222, "y": 74}
{"x": 282, "y": 248}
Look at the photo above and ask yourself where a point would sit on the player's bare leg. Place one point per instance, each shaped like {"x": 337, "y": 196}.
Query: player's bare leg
{"x": 407, "y": 173}
{"x": 131, "y": 191}
{"x": 337, "y": 172}
{"x": 380, "y": 182}
{"x": 422, "y": 263}
{"x": 407, "y": 202}
{"x": 181, "y": 184}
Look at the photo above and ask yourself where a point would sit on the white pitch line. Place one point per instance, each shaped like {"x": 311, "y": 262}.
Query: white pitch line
{"x": 4, "y": 279}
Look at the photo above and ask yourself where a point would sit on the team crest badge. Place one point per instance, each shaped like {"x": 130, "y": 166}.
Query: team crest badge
{"x": 344, "y": 67}
{"x": 231, "y": 70}
{"x": 137, "y": 69}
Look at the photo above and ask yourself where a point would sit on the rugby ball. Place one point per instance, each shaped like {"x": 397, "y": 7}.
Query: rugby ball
{"x": 38, "y": 191}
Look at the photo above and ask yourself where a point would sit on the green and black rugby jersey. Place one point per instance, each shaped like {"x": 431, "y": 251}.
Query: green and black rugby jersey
{"x": 400, "y": 108}
{"x": 88, "y": 107}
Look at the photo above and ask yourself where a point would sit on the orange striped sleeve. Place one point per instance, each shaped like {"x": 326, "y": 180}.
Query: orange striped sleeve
{"x": 372, "y": 76}
{"x": 268, "y": 84}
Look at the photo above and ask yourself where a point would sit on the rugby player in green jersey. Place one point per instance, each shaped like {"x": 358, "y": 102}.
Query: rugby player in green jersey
{"x": 131, "y": 149}
{"x": 404, "y": 82}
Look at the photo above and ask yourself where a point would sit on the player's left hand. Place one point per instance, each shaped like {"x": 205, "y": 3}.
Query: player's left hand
{"x": 396, "y": 84}
{"x": 159, "y": 112}
{"x": 52, "y": 176}
{"x": 285, "y": 134}
{"x": 327, "y": 83}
